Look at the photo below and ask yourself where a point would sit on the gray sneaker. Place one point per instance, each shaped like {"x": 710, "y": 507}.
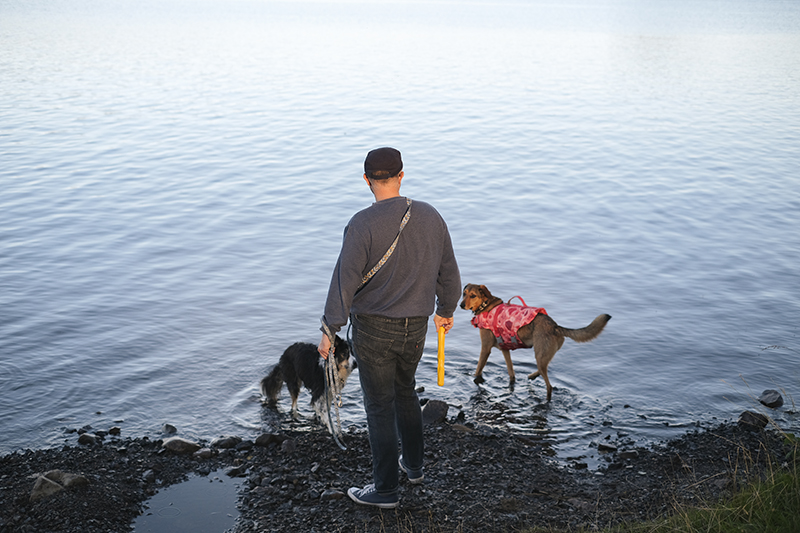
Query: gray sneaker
{"x": 369, "y": 496}
{"x": 415, "y": 477}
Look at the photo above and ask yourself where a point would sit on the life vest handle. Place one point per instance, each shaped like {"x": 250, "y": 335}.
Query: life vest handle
{"x": 520, "y": 299}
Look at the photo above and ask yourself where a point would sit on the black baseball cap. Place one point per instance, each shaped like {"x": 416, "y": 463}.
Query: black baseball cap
{"x": 383, "y": 163}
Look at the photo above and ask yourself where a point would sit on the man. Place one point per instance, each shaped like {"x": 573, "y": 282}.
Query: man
{"x": 389, "y": 316}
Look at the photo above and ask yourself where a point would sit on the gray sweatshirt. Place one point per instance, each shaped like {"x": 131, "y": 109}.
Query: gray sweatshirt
{"x": 420, "y": 277}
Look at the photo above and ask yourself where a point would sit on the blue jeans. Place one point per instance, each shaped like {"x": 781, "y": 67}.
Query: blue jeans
{"x": 388, "y": 351}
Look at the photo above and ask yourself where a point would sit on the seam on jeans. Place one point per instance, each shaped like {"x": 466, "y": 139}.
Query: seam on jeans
{"x": 380, "y": 340}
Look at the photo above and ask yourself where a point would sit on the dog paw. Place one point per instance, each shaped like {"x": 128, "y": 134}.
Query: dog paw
{"x": 478, "y": 380}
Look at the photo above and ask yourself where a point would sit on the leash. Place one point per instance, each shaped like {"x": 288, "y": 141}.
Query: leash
{"x": 389, "y": 252}
{"x": 333, "y": 394}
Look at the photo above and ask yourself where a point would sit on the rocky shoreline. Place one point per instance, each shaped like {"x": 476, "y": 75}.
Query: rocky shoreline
{"x": 476, "y": 479}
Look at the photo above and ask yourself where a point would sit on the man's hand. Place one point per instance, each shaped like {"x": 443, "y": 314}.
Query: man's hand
{"x": 445, "y": 323}
{"x": 324, "y": 346}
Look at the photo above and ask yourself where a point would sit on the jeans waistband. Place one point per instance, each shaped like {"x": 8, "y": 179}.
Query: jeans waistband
{"x": 408, "y": 321}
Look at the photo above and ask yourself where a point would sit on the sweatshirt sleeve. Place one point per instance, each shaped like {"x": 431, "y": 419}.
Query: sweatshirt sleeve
{"x": 448, "y": 284}
{"x": 345, "y": 280}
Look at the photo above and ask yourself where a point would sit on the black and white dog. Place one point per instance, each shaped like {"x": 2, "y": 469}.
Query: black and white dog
{"x": 301, "y": 365}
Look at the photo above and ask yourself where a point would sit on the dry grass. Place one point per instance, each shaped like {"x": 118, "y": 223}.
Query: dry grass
{"x": 768, "y": 503}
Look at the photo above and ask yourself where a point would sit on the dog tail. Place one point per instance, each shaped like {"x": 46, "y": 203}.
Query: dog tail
{"x": 271, "y": 384}
{"x": 588, "y": 333}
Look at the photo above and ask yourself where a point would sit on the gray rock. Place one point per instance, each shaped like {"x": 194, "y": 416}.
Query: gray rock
{"x": 180, "y": 445}
{"x": 434, "y": 411}
{"x": 69, "y": 481}
{"x": 753, "y": 421}
{"x": 168, "y": 429}
{"x": 225, "y": 442}
{"x": 237, "y": 471}
{"x": 331, "y": 494}
{"x": 87, "y": 438}
{"x": 55, "y": 481}
{"x": 266, "y": 439}
{"x": 289, "y": 446}
{"x": 43, "y": 488}
{"x": 606, "y": 448}
{"x": 245, "y": 445}
{"x": 204, "y": 453}
{"x": 771, "y": 398}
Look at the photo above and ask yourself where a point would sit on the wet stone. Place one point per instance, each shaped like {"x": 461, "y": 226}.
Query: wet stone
{"x": 225, "y": 442}
{"x": 771, "y": 398}
{"x": 87, "y": 439}
{"x": 434, "y": 411}
{"x": 753, "y": 421}
{"x": 180, "y": 445}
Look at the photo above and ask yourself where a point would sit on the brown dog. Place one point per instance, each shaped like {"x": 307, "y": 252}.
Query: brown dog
{"x": 543, "y": 334}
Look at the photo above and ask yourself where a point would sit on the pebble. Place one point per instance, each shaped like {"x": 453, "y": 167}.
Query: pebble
{"x": 332, "y": 494}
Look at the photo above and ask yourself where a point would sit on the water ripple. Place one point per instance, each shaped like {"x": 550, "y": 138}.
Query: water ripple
{"x": 173, "y": 200}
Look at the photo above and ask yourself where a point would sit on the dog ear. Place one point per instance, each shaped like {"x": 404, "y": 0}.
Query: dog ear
{"x": 342, "y": 348}
{"x": 485, "y": 292}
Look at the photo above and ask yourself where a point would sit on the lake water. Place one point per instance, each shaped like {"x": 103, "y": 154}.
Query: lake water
{"x": 175, "y": 177}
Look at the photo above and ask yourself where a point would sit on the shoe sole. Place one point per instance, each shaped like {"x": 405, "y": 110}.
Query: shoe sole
{"x": 353, "y": 497}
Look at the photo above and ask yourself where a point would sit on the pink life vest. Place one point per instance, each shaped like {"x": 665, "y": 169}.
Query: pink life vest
{"x": 504, "y": 321}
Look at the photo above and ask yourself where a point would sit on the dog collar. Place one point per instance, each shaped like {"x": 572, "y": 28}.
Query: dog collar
{"x": 480, "y": 309}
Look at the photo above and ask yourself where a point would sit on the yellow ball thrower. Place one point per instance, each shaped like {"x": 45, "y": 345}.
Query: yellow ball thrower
{"x": 440, "y": 366}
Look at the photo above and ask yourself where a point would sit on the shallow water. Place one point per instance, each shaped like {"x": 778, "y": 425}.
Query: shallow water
{"x": 202, "y": 503}
{"x": 175, "y": 178}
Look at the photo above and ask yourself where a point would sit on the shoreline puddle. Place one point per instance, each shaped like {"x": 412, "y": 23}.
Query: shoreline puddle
{"x": 202, "y": 504}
